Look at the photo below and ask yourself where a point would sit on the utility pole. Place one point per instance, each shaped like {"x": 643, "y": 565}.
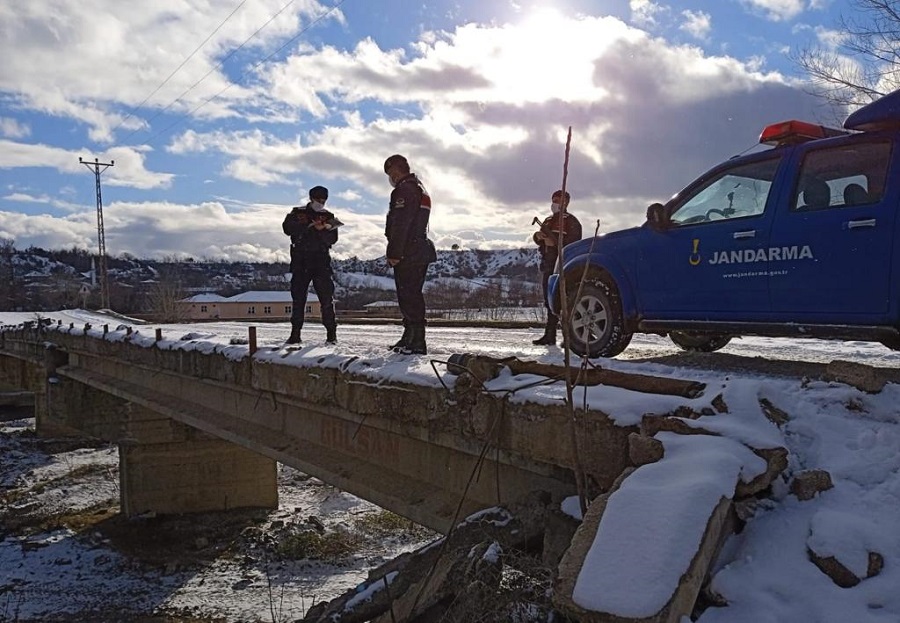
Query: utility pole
{"x": 101, "y": 236}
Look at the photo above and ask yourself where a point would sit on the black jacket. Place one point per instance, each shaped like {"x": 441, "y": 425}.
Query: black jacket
{"x": 309, "y": 246}
{"x": 571, "y": 233}
{"x": 407, "y": 223}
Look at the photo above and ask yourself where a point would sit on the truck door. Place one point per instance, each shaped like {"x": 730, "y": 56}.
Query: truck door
{"x": 832, "y": 248}
{"x": 710, "y": 264}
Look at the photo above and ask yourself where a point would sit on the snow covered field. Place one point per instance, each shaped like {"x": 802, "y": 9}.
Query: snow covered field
{"x": 764, "y": 572}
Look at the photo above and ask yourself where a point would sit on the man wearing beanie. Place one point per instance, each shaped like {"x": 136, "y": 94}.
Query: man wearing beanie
{"x": 313, "y": 230}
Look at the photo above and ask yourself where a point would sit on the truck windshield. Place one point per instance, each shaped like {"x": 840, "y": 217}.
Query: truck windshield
{"x": 737, "y": 192}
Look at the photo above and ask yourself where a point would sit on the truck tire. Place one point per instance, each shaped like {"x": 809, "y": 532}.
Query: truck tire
{"x": 597, "y": 327}
{"x": 699, "y": 342}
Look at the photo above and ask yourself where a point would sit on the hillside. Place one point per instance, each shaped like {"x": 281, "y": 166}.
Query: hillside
{"x": 42, "y": 279}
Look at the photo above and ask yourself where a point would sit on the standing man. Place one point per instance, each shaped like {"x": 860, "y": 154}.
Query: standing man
{"x": 313, "y": 230}
{"x": 409, "y": 251}
{"x": 547, "y": 239}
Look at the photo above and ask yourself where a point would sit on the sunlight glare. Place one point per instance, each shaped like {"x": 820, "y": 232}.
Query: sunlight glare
{"x": 548, "y": 55}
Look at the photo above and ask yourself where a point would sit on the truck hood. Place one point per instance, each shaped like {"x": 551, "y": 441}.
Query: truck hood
{"x": 606, "y": 243}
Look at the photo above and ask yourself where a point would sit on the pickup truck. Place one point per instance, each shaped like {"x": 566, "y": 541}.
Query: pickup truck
{"x": 792, "y": 241}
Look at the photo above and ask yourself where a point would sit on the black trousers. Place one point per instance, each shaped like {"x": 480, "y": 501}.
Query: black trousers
{"x": 409, "y": 280}
{"x": 320, "y": 277}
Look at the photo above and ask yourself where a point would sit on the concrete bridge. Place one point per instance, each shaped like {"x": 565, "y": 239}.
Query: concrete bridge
{"x": 202, "y": 431}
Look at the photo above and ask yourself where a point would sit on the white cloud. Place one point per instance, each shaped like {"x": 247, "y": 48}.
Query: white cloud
{"x": 698, "y": 24}
{"x": 130, "y": 48}
{"x": 776, "y": 10}
{"x": 26, "y": 198}
{"x": 481, "y": 112}
{"x": 128, "y": 171}
{"x": 11, "y": 128}
{"x": 644, "y": 13}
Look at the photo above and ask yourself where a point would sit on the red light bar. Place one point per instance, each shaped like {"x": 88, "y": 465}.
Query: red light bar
{"x": 790, "y": 132}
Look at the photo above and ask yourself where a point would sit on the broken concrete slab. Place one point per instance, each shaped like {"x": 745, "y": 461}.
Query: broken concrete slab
{"x": 408, "y": 586}
{"x": 645, "y": 548}
{"x": 864, "y": 378}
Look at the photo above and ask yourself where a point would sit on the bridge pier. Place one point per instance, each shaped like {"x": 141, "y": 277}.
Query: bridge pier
{"x": 194, "y": 475}
{"x": 165, "y": 466}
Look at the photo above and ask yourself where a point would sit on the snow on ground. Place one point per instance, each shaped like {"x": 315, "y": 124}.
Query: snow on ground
{"x": 54, "y": 573}
{"x": 764, "y": 572}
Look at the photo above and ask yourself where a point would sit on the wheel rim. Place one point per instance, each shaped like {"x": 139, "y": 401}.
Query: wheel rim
{"x": 589, "y": 319}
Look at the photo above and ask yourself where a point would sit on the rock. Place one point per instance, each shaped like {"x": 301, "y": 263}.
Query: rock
{"x": 876, "y": 564}
{"x": 719, "y": 404}
{"x": 316, "y": 523}
{"x": 652, "y": 424}
{"x": 643, "y": 450}
{"x": 841, "y": 575}
{"x": 776, "y": 460}
{"x": 201, "y": 542}
{"x": 775, "y": 415}
{"x": 807, "y": 484}
{"x": 862, "y": 377}
{"x": 560, "y": 528}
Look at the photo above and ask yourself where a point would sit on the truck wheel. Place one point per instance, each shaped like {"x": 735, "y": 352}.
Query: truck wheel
{"x": 700, "y": 342}
{"x": 597, "y": 328}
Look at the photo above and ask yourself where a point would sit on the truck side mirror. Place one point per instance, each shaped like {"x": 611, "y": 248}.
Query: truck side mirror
{"x": 657, "y": 217}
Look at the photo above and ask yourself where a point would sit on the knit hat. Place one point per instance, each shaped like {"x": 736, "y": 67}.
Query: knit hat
{"x": 318, "y": 192}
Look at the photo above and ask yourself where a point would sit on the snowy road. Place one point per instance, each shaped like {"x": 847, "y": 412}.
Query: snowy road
{"x": 749, "y": 354}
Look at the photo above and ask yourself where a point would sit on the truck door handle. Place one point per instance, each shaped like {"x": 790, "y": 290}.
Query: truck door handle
{"x": 866, "y": 222}
{"x": 749, "y": 233}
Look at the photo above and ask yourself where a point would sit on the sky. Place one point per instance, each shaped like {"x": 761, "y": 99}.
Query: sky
{"x": 219, "y": 115}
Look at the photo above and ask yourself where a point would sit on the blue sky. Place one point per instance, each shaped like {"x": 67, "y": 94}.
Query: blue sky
{"x": 477, "y": 94}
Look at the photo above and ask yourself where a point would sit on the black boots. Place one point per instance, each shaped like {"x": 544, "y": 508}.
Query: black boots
{"x": 414, "y": 343}
{"x": 402, "y": 342}
{"x": 549, "y": 337}
{"x": 330, "y": 338}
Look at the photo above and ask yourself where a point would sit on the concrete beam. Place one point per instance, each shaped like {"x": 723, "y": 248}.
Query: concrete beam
{"x": 422, "y": 452}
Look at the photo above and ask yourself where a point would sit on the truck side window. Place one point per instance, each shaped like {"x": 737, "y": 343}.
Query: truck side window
{"x": 738, "y": 192}
{"x": 838, "y": 177}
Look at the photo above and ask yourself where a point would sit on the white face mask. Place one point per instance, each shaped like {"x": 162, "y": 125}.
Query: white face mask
{"x": 318, "y": 207}
{"x": 554, "y": 207}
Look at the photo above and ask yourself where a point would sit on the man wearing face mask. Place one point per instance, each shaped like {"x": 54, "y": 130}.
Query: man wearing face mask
{"x": 409, "y": 251}
{"x": 313, "y": 231}
{"x": 547, "y": 239}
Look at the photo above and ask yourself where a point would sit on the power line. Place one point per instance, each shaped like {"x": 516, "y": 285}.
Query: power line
{"x": 176, "y": 70}
{"x": 253, "y": 68}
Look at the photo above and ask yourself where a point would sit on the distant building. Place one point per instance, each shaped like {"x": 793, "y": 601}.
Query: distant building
{"x": 253, "y": 305}
{"x": 382, "y": 308}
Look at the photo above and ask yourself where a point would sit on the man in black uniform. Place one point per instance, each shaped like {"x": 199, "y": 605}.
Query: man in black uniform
{"x": 547, "y": 239}
{"x": 409, "y": 251}
{"x": 313, "y": 232}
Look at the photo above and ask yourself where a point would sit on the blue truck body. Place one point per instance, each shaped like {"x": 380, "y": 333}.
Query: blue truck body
{"x": 797, "y": 240}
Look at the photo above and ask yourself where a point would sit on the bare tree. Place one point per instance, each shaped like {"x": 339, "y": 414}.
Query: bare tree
{"x": 865, "y": 63}
{"x": 165, "y": 296}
